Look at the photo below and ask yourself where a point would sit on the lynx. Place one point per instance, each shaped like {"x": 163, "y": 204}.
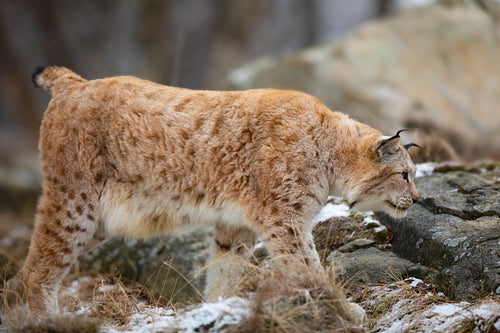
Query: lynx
{"x": 125, "y": 156}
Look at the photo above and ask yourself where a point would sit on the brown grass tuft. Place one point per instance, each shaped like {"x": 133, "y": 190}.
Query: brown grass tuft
{"x": 298, "y": 300}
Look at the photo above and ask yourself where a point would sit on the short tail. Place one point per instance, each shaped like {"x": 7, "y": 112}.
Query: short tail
{"x": 54, "y": 78}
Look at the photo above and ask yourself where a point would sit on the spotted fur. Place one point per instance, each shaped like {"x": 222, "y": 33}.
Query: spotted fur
{"x": 124, "y": 156}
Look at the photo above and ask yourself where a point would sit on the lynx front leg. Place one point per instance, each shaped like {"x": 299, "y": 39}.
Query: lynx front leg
{"x": 230, "y": 247}
{"x": 291, "y": 241}
{"x": 284, "y": 224}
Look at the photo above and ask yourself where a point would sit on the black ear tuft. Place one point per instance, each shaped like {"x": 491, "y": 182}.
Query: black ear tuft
{"x": 37, "y": 72}
{"x": 409, "y": 145}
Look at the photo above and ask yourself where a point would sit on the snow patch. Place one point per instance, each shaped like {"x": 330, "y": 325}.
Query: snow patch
{"x": 332, "y": 210}
{"x": 205, "y": 317}
{"x": 424, "y": 169}
{"x": 445, "y": 309}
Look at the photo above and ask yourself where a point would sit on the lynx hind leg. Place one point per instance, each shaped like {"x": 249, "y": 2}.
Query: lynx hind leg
{"x": 231, "y": 246}
{"x": 65, "y": 227}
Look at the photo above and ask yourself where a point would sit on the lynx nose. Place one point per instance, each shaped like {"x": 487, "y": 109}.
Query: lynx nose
{"x": 414, "y": 197}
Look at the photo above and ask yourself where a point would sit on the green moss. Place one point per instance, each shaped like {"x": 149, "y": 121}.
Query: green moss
{"x": 492, "y": 166}
{"x": 383, "y": 307}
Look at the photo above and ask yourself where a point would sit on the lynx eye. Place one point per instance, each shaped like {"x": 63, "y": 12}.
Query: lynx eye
{"x": 405, "y": 175}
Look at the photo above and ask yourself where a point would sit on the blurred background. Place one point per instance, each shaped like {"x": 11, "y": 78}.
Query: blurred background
{"x": 433, "y": 65}
{"x": 188, "y": 43}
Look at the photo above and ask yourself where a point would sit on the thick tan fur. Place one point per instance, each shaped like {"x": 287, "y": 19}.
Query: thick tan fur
{"x": 124, "y": 156}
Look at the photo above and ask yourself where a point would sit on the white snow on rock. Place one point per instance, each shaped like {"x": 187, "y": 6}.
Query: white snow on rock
{"x": 424, "y": 169}
{"x": 414, "y": 311}
{"x": 335, "y": 209}
{"x": 205, "y": 317}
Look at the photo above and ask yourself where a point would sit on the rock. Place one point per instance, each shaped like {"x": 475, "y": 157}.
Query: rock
{"x": 170, "y": 265}
{"x": 434, "y": 68}
{"x": 367, "y": 266}
{"x": 455, "y": 229}
{"x": 20, "y": 184}
{"x": 338, "y": 231}
{"x": 355, "y": 245}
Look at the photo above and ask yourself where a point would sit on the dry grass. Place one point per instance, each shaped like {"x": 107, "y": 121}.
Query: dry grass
{"x": 379, "y": 300}
{"x": 298, "y": 300}
{"x": 107, "y": 298}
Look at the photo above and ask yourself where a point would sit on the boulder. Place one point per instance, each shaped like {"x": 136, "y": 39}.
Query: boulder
{"x": 433, "y": 68}
{"x": 455, "y": 229}
{"x": 368, "y": 265}
{"x": 172, "y": 265}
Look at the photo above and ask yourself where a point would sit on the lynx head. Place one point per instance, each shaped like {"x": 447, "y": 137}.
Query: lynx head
{"x": 386, "y": 179}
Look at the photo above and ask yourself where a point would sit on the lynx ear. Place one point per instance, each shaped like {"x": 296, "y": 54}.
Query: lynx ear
{"x": 387, "y": 149}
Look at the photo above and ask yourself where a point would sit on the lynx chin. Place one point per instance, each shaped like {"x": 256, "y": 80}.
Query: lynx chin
{"x": 125, "y": 156}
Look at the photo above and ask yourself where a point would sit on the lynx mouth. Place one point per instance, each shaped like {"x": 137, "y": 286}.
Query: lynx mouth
{"x": 396, "y": 207}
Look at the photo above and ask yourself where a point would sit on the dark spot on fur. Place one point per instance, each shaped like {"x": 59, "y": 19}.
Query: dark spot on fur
{"x": 68, "y": 214}
{"x": 83, "y": 196}
{"x": 223, "y": 247}
{"x": 199, "y": 198}
{"x": 67, "y": 250}
{"x": 198, "y": 123}
{"x": 297, "y": 206}
{"x": 61, "y": 265}
{"x": 302, "y": 181}
{"x": 217, "y": 125}
{"x": 311, "y": 246}
{"x": 71, "y": 195}
{"x": 99, "y": 176}
{"x": 278, "y": 223}
{"x": 290, "y": 231}
{"x": 184, "y": 135}
{"x": 79, "y": 210}
{"x": 322, "y": 118}
{"x": 90, "y": 206}
{"x": 155, "y": 219}
{"x": 306, "y": 260}
{"x": 175, "y": 197}
{"x": 273, "y": 235}
{"x": 78, "y": 175}
{"x": 274, "y": 211}
{"x": 90, "y": 217}
{"x": 54, "y": 236}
